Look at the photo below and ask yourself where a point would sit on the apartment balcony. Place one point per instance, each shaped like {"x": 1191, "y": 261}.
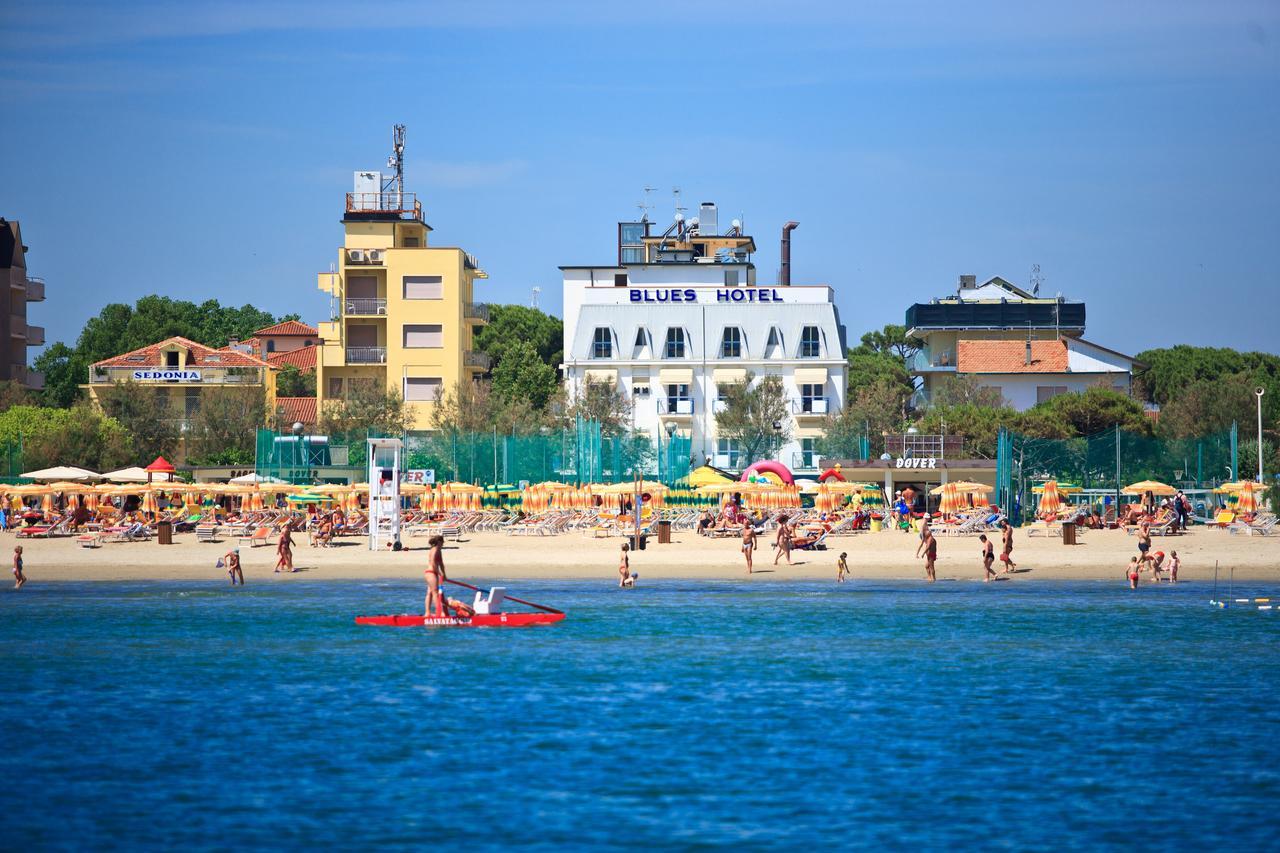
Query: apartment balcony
{"x": 475, "y": 311}
{"x": 18, "y": 326}
{"x": 366, "y": 355}
{"x": 35, "y": 336}
{"x": 383, "y": 204}
{"x": 675, "y": 407}
{"x": 364, "y": 307}
{"x": 934, "y": 362}
{"x": 477, "y": 360}
{"x": 816, "y": 407}
{"x": 35, "y": 379}
{"x": 35, "y": 289}
{"x": 804, "y": 460}
{"x": 365, "y": 257}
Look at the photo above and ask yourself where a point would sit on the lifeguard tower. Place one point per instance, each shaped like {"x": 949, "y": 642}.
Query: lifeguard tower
{"x": 384, "y": 492}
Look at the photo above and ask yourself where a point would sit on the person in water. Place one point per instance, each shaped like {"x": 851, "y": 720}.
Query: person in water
{"x": 435, "y": 575}
{"x": 929, "y": 547}
{"x": 625, "y": 578}
{"x": 748, "y": 542}
{"x": 988, "y": 558}
{"x": 1133, "y": 572}
{"x": 19, "y": 579}
{"x": 842, "y": 566}
{"x": 1157, "y": 565}
{"x": 1174, "y": 564}
{"x": 233, "y": 566}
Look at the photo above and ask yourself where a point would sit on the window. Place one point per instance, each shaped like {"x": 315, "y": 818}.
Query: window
{"x": 730, "y": 278}
{"x": 192, "y": 402}
{"x": 619, "y": 279}
{"x": 271, "y": 346}
{"x": 812, "y": 399}
{"x": 720, "y": 403}
{"x": 631, "y": 233}
{"x": 171, "y": 358}
{"x": 602, "y": 343}
{"x": 728, "y": 452}
{"x": 429, "y": 336}
{"x": 632, "y": 255}
{"x": 1044, "y": 393}
{"x": 731, "y": 343}
{"x": 675, "y": 342}
{"x": 162, "y": 399}
{"x": 678, "y": 400}
{"x": 411, "y": 242}
{"x": 808, "y": 458}
{"x": 422, "y": 390}
{"x": 335, "y": 387}
{"x": 810, "y": 342}
{"x": 423, "y": 287}
{"x": 773, "y": 347}
{"x": 362, "y": 287}
{"x": 641, "y": 347}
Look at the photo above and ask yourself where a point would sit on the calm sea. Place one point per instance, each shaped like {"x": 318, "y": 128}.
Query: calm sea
{"x": 1014, "y": 715}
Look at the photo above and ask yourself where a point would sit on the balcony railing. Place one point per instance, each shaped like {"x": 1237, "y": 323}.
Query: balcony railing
{"x": 475, "y": 311}
{"x": 945, "y": 360}
{"x": 35, "y": 336}
{"x": 35, "y": 289}
{"x": 17, "y": 326}
{"x": 365, "y": 307}
{"x": 400, "y": 204}
{"x": 675, "y": 406}
{"x": 816, "y": 406}
{"x": 366, "y": 355}
{"x": 472, "y": 358}
{"x": 804, "y": 460}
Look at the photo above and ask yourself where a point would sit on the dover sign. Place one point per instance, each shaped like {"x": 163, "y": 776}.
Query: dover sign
{"x": 916, "y": 463}
{"x": 166, "y": 375}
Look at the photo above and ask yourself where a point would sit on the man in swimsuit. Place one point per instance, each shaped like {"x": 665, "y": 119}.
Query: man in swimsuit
{"x": 748, "y": 542}
{"x": 988, "y": 558}
{"x": 1144, "y": 542}
{"x": 929, "y": 546}
{"x": 18, "y": 577}
{"x": 1006, "y": 537}
{"x": 435, "y": 576}
{"x": 233, "y": 566}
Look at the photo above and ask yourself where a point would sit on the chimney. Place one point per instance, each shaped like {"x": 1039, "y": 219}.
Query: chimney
{"x": 1028, "y": 352}
{"x": 968, "y": 282}
{"x": 785, "y": 278}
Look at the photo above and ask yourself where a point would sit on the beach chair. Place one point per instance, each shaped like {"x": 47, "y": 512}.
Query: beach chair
{"x": 261, "y": 536}
{"x": 89, "y": 540}
{"x": 61, "y": 527}
{"x": 135, "y": 532}
{"x": 1263, "y": 525}
{"x": 206, "y": 533}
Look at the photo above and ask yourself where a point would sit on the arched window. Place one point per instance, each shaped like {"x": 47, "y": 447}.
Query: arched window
{"x": 675, "y": 342}
{"x": 731, "y": 342}
{"x": 640, "y": 349}
{"x": 602, "y": 343}
{"x": 773, "y": 347}
{"x": 810, "y": 342}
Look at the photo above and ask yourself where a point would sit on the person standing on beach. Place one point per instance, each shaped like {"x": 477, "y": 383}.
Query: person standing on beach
{"x": 782, "y": 542}
{"x": 624, "y": 568}
{"x": 19, "y": 579}
{"x": 1174, "y": 564}
{"x": 233, "y": 566}
{"x": 1144, "y": 542}
{"x": 929, "y": 546}
{"x": 435, "y": 576}
{"x": 284, "y": 550}
{"x": 748, "y": 542}
{"x": 1006, "y": 538}
{"x": 842, "y": 566}
{"x": 988, "y": 558}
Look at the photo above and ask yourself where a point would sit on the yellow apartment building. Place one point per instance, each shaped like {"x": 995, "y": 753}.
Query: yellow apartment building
{"x": 403, "y": 311}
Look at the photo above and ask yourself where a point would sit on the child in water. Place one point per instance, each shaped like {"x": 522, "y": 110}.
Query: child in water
{"x": 1133, "y": 571}
{"x": 1174, "y": 564}
{"x": 842, "y": 566}
{"x": 625, "y": 578}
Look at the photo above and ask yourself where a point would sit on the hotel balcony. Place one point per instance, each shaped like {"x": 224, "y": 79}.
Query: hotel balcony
{"x": 674, "y": 407}
{"x": 383, "y": 204}
{"x": 477, "y": 311}
{"x": 35, "y": 289}
{"x": 366, "y": 355}
{"x": 811, "y": 408}
{"x": 477, "y": 360}
{"x": 362, "y": 307}
{"x": 35, "y": 336}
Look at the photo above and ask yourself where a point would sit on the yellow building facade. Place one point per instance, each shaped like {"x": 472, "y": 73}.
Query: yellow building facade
{"x": 403, "y": 312}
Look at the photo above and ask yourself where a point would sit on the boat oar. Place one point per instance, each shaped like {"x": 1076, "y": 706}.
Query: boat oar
{"x": 508, "y": 598}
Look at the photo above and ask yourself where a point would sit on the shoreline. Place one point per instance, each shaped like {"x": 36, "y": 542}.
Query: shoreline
{"x": 888, "y": 555}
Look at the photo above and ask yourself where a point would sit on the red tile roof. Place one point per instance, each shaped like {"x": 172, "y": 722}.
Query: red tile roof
{"x": 1010, "y": 357}
{"x": 200, "y": 356}
{"x": 288, "y": 327}
{"x": 303, "y": 359}
{"x": 297, "y": 410}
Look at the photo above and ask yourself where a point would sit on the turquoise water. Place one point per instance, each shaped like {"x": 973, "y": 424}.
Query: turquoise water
{"x": 1015, "y": 714}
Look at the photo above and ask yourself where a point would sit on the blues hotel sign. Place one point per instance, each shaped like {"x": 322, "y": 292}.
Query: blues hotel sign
{"x": 688, "y": 294}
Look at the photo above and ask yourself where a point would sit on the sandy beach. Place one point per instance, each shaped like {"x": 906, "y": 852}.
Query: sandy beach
{"x": 1101, "y": 555}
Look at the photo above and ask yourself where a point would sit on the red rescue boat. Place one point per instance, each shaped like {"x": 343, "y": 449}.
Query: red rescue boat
{"x": 486, "y": 612}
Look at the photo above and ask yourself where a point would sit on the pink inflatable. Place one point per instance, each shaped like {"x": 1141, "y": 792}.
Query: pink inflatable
{"x": 766, "y": 466}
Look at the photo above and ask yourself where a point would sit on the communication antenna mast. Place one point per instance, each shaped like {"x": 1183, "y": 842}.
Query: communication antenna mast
{"x": 1035, "y": 280}
{"x": 396, "y": 162}
{"x": 533, "y": 303}
{"x": 645, "y": 205}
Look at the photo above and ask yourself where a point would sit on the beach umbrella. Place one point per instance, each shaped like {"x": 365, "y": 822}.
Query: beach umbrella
{"x": 149, "y": 502}
{"x": 1237, "y": 487}
{"x": 62, "y": 472}
{"x": 46, "y": 503}
{"x": 1246, "y": 501}
{"x": 160, "y": 466}
{"x": 1153, "y": 486}
{"x": 68, "y": 488}
{"x": 970, "y": 487}
{"x": 1050, "y": 502}
{"x": 136, "y": 474}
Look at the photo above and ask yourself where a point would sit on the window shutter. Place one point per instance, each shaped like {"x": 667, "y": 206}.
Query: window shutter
{"x": 423, "y": 287}
{"x": 430, "y": 336}
{"x": 422, "y": 390}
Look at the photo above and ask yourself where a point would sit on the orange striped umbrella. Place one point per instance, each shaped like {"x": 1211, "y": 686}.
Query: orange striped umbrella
{"x": 149, "y": 502}
{"x": 46, "y": 503}
{"x": 1050, "y": 501}
{"x": 1247, "y": 502}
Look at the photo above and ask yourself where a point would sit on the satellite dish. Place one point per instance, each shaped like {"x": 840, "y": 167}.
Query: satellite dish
{"x": 679, "y": 217}
{"x": 693, "y": 222}
{"x": 737, "y": 223}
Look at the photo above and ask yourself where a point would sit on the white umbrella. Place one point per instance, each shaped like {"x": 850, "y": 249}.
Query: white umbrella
{"x": 137, "y": 474}
{"x": 64, "y": 473}
{"x": 253, "y": 477}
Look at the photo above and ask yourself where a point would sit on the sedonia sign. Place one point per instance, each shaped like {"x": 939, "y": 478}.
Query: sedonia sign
{"x": 166, "y": 375}
{"x": 723, "y": 294}
{"x": 916, "y": 463}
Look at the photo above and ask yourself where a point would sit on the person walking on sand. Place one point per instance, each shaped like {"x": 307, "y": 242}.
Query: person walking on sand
{"x": 1174, "y": 564}
{"x": 284, "y": 550}
{"x": 1133, "y": 572}
{"x": 748, "y": 542}
{"x": 625, "y": 578}
{"x": 929, "y": 547}
{"x": 782, "y": 542}
{"x": 232, "y": 558}
{"x": 19, "y": 579}
{"x": 1006, "y": 539}
{"x": 842, "y": 566}
{"x": 988, "y": 558}
{"x": 435, "y": 575}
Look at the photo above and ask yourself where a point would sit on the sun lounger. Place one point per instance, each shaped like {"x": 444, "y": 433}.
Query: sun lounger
{"x": 206, "y": 533}
{"x": 89, "y": 540}
{"x": 261, "y": 536}
{"x": 1263, "y": 525}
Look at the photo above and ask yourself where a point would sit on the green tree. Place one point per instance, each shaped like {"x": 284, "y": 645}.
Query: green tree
{"x": 1171, "y": 371}
{"x": 891, "y": 340}
{"x": 81, "y": 436}
{"x": 756, "y": 415}
{"x": 13, "y": 394}
{"x": 604, "y": 402}
{"x": 225, "y": 429}
{"x": 510, "y": 323}
{"x": 65, "y": 370}
{"x": 980, "y": 425}
{"x": 1094, "y": 410}
{"x": 474, "y": 408}
{"x": 367, "y": 408}
{"x": 1212, "y": 405}
{"x": 842, "y": 436}
{"x": 292, "y": 382}
{"x": 521, "y": 374}
{"x": 149, "y": 422}
{"x": 965, "y": 390}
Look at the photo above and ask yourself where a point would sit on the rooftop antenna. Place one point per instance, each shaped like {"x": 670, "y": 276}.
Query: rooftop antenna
{"x": 680, "y": 209}
{"x": 396, "y": 162}
{"x": 1035, "y": 279}
{"x": 533, "y": 303}
{"x": 645, "y": 205}
{"x": 1057, "y": 315}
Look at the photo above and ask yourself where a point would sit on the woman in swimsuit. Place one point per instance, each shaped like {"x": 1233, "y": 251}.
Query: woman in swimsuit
{"x": 18, "y": 577}
{"x": 782, "y": 542}
{"x": 284, "y": 550}
{"x": 748, "y": 542}
{"x": 1006, "y": 555}
{"x": 929, "y": 545}
{"x": 435, "y": 576}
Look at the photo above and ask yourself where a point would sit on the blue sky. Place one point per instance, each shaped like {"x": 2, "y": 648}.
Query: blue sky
{"x": 202, "y": 150}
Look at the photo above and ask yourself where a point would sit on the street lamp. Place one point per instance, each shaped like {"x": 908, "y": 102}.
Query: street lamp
{"x": 1259, "y": 392}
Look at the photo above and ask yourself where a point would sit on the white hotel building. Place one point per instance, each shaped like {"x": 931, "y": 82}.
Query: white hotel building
{"x": 680, "y": 315}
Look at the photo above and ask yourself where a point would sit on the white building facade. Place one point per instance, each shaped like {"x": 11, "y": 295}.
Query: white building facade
{"x": 677, "y": 324}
